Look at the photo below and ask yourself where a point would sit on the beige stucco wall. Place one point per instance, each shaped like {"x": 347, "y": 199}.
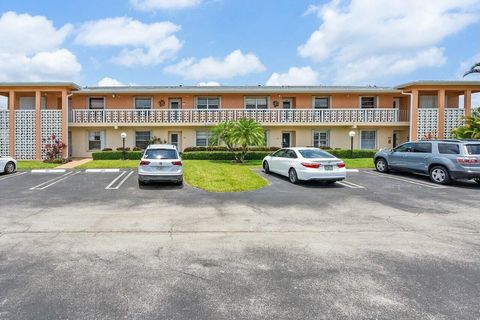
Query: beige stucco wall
{"x": 301, "y": 136}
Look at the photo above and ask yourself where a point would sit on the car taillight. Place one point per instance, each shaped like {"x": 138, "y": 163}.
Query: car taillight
{"x": 311, "y": 165}
{"x": 466, "y": 160}
{"x": 144, "y": 163}
{"x": 177, "y": 163}
{"x": 341, "y": 165}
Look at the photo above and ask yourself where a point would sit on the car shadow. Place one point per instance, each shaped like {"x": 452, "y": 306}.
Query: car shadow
{"x": 304, "y": 184}
{"x": 161, "y": 186}
{"x": 465, "y": 184}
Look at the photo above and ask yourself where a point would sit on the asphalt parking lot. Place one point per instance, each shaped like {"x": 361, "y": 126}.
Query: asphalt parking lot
{"x": 96, "y": 245}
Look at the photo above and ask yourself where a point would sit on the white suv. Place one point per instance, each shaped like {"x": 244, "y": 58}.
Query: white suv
{"x": 160, "y": 163}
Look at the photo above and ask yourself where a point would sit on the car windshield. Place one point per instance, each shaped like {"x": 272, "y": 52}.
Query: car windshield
{"x": 314, "y": 153}
{"x": 473, "y": 149}
{"x": 160, "y": 154}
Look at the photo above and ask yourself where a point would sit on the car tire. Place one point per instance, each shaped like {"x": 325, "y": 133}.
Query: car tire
{"x": 180, "y": 182}
{"x": 9, "y": 167}
{"x": 141, "y": 183}
{"x": 266, "y": 167}
{"x": 381, "y": 165}
{"x": 439, "y": 175}
{"x": 292, "y": 176}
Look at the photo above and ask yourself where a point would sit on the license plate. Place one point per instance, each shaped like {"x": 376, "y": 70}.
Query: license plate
{"x": 328, "y": 168}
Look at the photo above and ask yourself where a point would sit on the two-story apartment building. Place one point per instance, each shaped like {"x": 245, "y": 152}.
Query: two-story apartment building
{"x": 89, "y": 119}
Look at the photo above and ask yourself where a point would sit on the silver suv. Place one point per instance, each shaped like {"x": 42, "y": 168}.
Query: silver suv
{"x": 442, "y": 160}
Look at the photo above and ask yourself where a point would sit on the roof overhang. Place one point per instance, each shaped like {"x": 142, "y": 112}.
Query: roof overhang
{"x": 36, "y": 85}
{"x": 432, "y": 83}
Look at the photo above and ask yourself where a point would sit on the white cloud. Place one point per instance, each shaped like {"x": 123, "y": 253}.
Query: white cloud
{"x": 294, "y": 77}
{"x": 209, "y": 84}
{"x": 233, "y": 65}
{"x": 109, "y": 82}
{"x": 143, "y": 44}
{"x": 152, "y": 5}
{"x": 380, "y": 38}
{"x": 31, "y": 50}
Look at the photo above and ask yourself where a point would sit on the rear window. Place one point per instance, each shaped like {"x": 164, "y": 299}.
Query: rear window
{"x": 314, "y": 153}
{"x": 160, "y": 154}
{"x": 448, "y": 148}
{"x": 473, "y": 149}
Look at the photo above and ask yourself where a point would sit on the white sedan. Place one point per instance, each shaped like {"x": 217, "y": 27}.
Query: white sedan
{"x": 305, "y": 164}
{"x": 7, "y": 165}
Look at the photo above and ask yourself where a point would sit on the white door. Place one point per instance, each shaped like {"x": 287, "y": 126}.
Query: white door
{"x": 396, "y": 103}
{"x": 287, "y": 104}
{"x": 174, "y": 139}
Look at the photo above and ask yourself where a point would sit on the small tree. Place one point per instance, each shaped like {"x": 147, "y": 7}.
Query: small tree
{"x": 240, "y": 134}
{"x": 53, "y": 148}
{"x": 471, "y": 129}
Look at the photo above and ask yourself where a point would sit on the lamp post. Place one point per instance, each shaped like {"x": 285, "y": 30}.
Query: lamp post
{"x": 352, "y": 135}
{"x": 124, "y": 136}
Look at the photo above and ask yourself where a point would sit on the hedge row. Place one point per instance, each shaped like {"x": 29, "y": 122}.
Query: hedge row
{"x": 223, "y": 155}
{"x": 219, "y": 148}
{"x": 117, "y": 155}
{"x": 345, "y": 154}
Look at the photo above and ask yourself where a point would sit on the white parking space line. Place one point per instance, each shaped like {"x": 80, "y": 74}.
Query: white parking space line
{"x": 350, "y": 185}
{"x": 412, "y": 181}
{"x": 352, "y": 170}
{"x": 114, "y": 185}
{"x": 53, "y": 181}
{"x": 49, "y": 170}
{"x": 12, "y": 175}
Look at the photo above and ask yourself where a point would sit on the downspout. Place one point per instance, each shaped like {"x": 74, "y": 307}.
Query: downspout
{"x": 68, "y": 120}
{"x": 411, "y": 114}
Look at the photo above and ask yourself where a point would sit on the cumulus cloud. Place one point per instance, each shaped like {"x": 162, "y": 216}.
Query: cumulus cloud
{"x": 109, "y": 82}
{"x": 209, "y": 84}
{"x": 370, "y": 40}
{"x": 152, "y": 5}
{"x": 304, "y": 76}
{"x": 32, "y": 50}
{"x": 233, "y": 65}
{"x": 143, "y": 44}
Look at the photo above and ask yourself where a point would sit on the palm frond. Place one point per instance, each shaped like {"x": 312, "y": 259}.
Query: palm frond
{"x": 474, "y": 69}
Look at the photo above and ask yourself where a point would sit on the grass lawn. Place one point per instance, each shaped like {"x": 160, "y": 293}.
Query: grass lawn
{"x": 222, "y": 176}
{"x": 360, "y": 163}
{"x": 33, "y": 164}
{"x": 109, "y": 164}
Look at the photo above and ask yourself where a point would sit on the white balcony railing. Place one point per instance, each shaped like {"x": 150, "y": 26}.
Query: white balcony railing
{"x": 193, "y": 116}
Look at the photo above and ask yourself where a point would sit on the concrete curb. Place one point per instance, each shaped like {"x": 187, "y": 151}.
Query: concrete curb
{"x": 48, "y": 170}
{"x": 101, "y": 170}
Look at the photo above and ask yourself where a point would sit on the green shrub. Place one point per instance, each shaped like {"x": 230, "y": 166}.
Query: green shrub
{"x": 137, "y": 149}
{"x": 121, "y": 149}
{"x": 220, "y": 148}
{"x": 222, "y": 155}
{"x": 107, "y": 149}
{"x": 117, "y": 155}
{"x": 345, "y": 154}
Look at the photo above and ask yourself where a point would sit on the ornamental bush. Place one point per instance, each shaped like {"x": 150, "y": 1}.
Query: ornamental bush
{"x": 117, "y": 155}
{"x": 222, "y": 155}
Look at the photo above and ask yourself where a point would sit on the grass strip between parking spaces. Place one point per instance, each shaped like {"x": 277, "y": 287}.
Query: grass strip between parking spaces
{"x": 109, "y": 164}
{"x": 360, "y": 163}
{"x": 223, "y": 176}
{"x": 32, "y": 164}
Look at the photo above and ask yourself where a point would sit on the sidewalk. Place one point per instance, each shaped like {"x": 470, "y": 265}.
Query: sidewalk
{"x": 75, "y": 162}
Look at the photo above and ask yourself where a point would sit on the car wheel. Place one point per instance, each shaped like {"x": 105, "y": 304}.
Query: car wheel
{"x": 9, "y": 167}
{"x": 477, "y": 180}
{"x": 266, "y": 167}
{"x": 292, "y": 175}
{"x": 440, "y": 175}
{"x": 180, "y": 182}
{"x": 381, "y": 165}
{"x": 141, "y": 183}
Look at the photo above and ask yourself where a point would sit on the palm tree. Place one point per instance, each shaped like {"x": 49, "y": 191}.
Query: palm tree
{"x": 471, "y": 129}
{"x": 247, "y": 133}
{"x": 223, "y": 132}
{"x": 474, "y": 69}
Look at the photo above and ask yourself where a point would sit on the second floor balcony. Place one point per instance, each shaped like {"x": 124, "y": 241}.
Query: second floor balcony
{"x": 263, "y": 116}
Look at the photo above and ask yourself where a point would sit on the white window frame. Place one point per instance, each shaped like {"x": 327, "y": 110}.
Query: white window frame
{"x": 327, "y": 138}
{"x": 361, "y": 140}
{"x": 97, "y": 97}
{"x": 375, "y": 101}
{"x": 102, "y": 140}
{"x": 143, "y": 131}
{"x": 256, "y": 102}
{"x": 143, "y": 98}
{"x": 208, "y": 105}
{"x": 208, "y": 137}
{"x": 329, "y": 99}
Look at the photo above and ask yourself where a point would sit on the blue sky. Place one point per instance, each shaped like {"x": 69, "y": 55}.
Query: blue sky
{"x": 237, "y": 42}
